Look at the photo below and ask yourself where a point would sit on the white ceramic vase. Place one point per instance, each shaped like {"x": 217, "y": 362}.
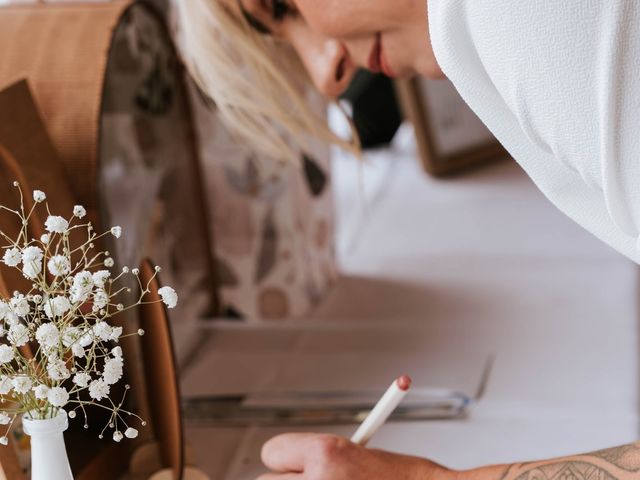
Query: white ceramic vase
{"x": 48, "y": 454}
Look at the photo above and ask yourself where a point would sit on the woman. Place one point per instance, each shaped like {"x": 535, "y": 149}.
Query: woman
{"x": 558, "y": 83}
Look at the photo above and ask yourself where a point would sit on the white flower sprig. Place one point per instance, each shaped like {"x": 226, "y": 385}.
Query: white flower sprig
{"x": 64, "y": 317}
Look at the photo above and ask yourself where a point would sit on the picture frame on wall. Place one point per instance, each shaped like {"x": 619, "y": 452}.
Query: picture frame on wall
{"x": 450, "y": 137}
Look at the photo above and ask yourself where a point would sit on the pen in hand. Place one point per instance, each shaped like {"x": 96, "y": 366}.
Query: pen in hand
{"x": 383, "y": 409}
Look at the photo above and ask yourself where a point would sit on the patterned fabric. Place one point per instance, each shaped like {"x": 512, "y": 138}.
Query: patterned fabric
{"x": 272, "y": 224}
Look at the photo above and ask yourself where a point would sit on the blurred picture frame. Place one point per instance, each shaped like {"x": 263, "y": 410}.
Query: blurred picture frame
{"x": 450, "y": 137}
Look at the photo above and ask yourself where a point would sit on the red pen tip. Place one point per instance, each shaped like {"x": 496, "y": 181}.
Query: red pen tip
{"x": 404, "y": 382}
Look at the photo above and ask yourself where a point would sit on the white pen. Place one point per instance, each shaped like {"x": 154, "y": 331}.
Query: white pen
{"x": 385, "y": 407}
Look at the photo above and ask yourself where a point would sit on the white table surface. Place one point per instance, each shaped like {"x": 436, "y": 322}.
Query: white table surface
{"x": 574, "y": 390}
{"x": 490, "y": 268}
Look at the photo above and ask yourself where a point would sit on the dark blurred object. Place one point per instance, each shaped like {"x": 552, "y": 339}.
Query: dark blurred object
{"x": 376, "y": 113}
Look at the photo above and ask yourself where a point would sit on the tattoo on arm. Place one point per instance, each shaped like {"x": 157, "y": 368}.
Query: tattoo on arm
{"x": 618, "y": 463}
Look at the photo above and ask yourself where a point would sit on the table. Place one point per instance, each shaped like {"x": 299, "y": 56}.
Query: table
{"x": 494, "y": 269}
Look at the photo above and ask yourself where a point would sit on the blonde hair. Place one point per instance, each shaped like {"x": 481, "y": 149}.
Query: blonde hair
{"x": 258, "y": 85}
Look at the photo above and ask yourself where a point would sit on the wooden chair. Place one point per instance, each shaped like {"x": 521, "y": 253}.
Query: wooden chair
{"x": 161, "y": 376}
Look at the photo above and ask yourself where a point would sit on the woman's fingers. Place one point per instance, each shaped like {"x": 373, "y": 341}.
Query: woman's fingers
{"x": 295, "y": 452}
{"x": 287, "y": 453}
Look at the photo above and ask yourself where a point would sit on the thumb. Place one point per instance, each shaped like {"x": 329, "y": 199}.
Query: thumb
{"x": 288, "y": 453}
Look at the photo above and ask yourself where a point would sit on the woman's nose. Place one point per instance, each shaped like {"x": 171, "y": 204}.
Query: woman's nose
{"x": 327, "y": 61}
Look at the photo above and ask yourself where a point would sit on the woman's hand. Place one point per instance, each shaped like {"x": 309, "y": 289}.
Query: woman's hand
{"x": 306, "y": 456}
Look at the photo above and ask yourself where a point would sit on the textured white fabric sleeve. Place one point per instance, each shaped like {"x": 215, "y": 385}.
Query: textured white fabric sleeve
{"x": 618, "y": 84}
{"x": 558, "y": 83}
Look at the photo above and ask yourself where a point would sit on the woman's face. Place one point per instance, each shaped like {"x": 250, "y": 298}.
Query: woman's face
{"x": 336, "y": 37}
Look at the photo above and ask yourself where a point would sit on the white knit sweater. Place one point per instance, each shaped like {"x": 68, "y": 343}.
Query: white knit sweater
{"x": 558, "y": 83}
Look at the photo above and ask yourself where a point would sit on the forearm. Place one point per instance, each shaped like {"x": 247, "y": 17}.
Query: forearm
{"x": 619, "y": 463}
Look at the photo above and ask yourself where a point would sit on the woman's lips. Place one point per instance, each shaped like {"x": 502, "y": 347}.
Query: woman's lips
{"x": 385, "y": 66}
{"x": 377, "y": 60}
{"x": 374, "y": 57}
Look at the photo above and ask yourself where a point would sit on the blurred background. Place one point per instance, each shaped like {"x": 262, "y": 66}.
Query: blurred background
{"x": 432, "y": 255}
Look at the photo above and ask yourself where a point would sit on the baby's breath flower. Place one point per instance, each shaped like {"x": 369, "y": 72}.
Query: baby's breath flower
{"x": 71, "y": 335}
{"x": 32, "y": 261}
{"x": 140, "y": 332}
{"x": 6, "y": 354}
{"x": 41, "y": 392}
{"x": 100, "y": 299}
{"x": 112, "y": 370}
{"x": 5, "y": 384}
{"x": 32, "y": 253}
{"x": 79, "y": 211}
{"x": 48, "y": 314}
{"x": 77, "y": 350}
{"x": 58, "y": 396}
{"x": 82, "y": 286}
{"x": 59, "y": 265}
{"x": 115, "y": 334}
{"x": 98, "y": 389}
{"x": 102, "y": 330}
{"x": 4, "y": 441}
{"x": 22, "y": 384}
{"x": 100, "y": 277}
{"x": 32, "y": 269}
{"x": 39, "y": 196}
{"x": 11, "y": 318}
{"x": 169, "y": 296}
{"x": 82, "y": 379}
{"x": 56, "y": 224}
{"x": 4, "y": 310}
{"x": 20, "y": 305}
{"x": 57, "y": 306}
{"x": 57, "y": 370}
{"x": 87, "y": 338}
{"x": 48, "y": 335}
{"x": 12, "y": 257}
{"x": 18, "y": 335}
